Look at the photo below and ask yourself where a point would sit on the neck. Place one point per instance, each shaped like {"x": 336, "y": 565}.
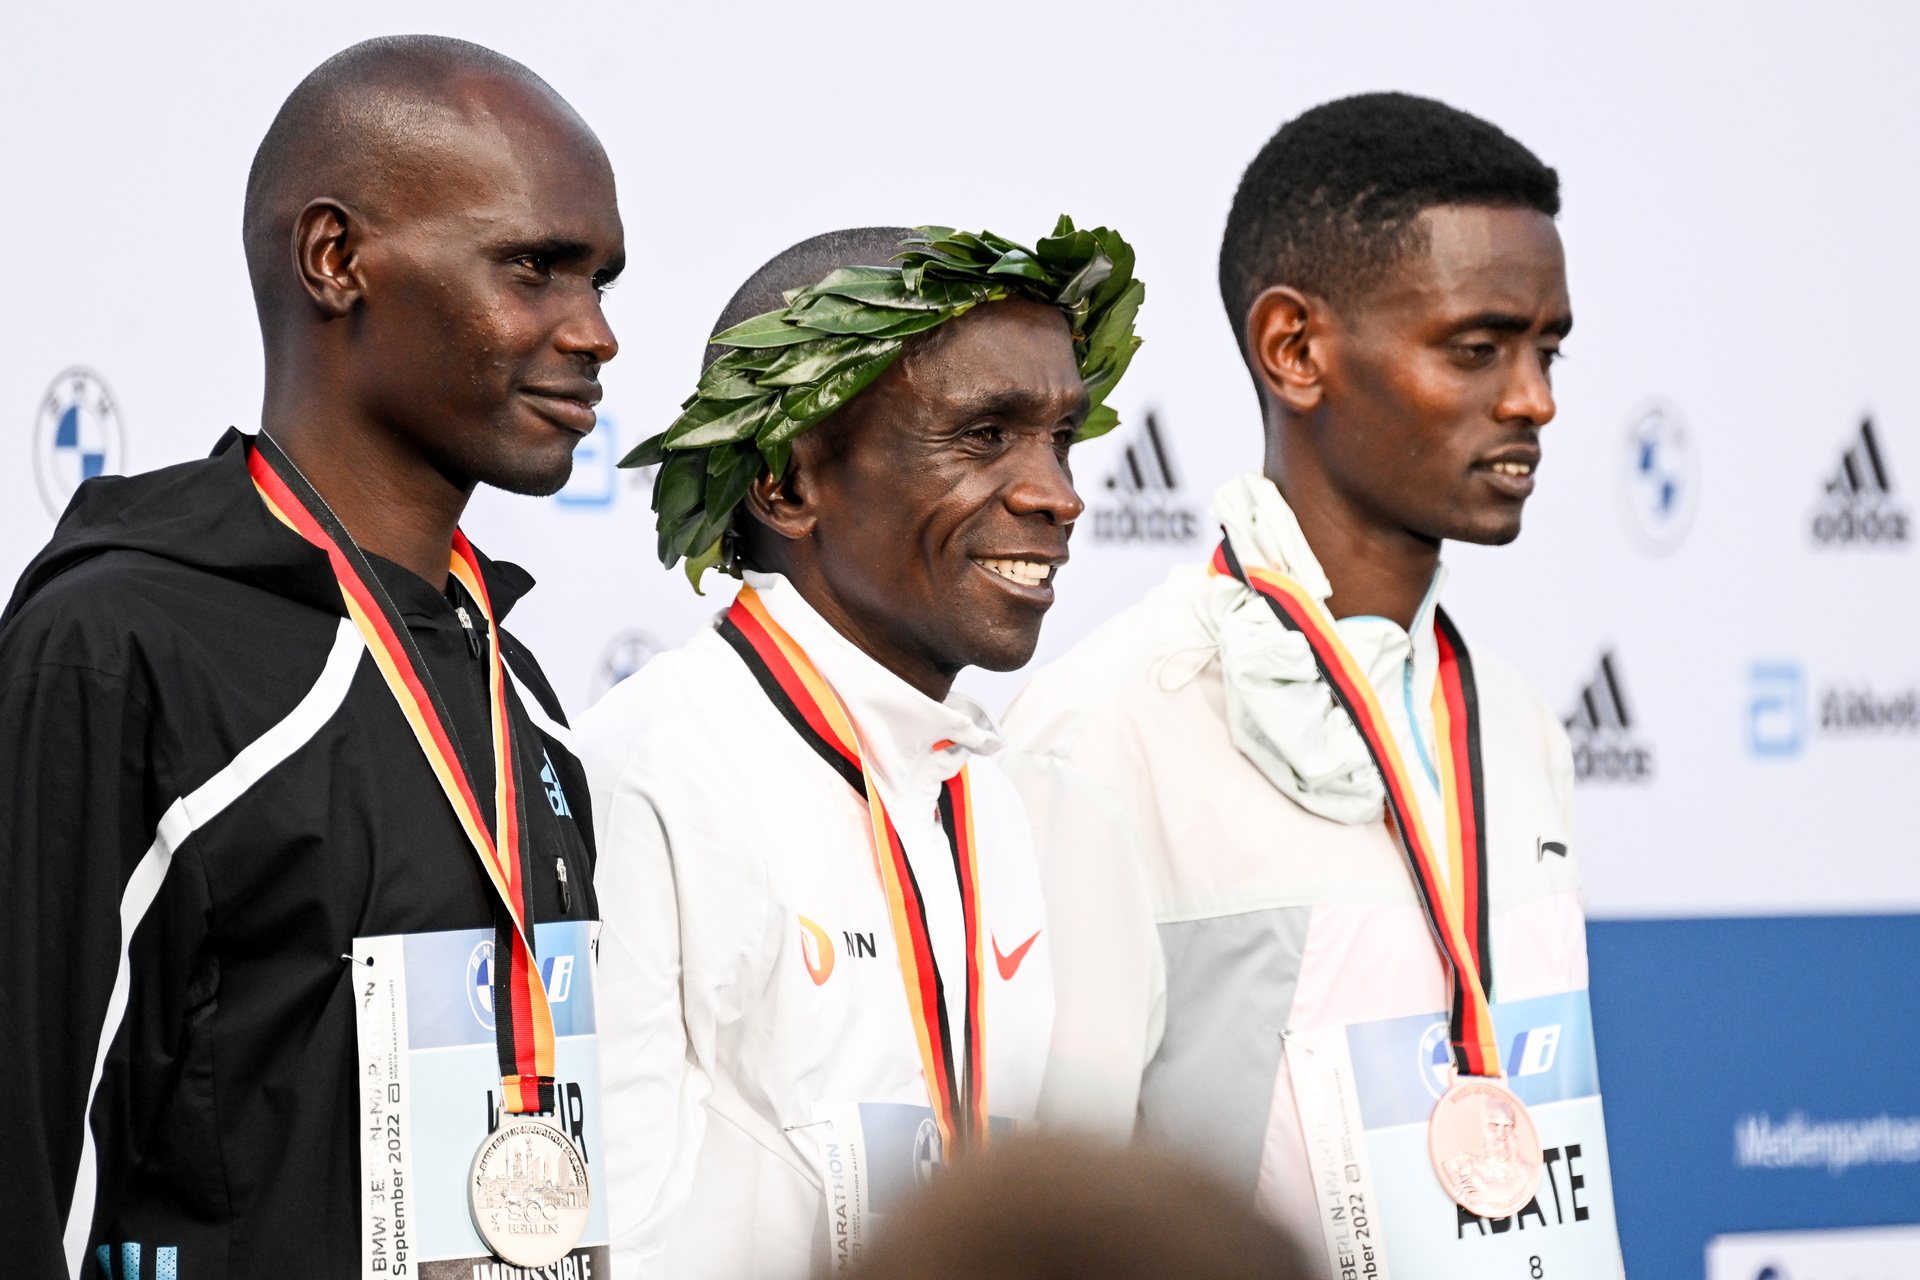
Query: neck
{"x": 1376, "y": 568}
{"x": 873, "y": 637}
{"x": 393, "y": 501}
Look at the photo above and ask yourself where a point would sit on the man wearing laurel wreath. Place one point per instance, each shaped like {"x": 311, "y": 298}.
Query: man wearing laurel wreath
{"x": 1327, "y": 913}
{"x": 268, "y": 757}
{"x": 827, "y": 966}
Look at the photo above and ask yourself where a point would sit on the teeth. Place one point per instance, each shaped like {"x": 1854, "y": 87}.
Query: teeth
{"x": 1027, "y": 573}
{"x": 1512, "y": 468}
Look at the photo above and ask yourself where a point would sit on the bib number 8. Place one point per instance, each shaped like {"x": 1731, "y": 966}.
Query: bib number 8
{"x": 1534, "y": 1268}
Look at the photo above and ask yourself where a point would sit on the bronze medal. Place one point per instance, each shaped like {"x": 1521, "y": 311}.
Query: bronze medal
{"x": 1485, "y": 1149}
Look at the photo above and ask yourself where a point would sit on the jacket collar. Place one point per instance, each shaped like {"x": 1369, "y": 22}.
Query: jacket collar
{"x": 207, "y": 515}
{"x": 911, "y": 743}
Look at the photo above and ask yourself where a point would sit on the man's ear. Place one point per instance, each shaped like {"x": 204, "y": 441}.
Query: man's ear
{"x": 326, "y": 256}
{"x": 1285, "y": 336}
{"x": 787, "y": 506}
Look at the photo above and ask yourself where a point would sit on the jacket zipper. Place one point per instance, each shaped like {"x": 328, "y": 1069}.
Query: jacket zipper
{"x": 566, "y": 890}
{"x": 466, "y": 623}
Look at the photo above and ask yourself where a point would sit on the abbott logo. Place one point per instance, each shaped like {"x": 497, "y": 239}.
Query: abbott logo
{"x": 1776, "y": 710}
{"x": 1605, "y": 746}
{"x": 1143, "y": 506}
{"x": 1859, "y": 508}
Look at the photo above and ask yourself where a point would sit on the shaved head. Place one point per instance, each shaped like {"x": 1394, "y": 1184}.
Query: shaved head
{"x": 430, "y": 229}
{"x": 806, "y": 263}
{"x": 378, "y": 127}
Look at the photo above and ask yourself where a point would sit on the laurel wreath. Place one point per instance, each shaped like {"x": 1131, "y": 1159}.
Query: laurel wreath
{"x": 788, "y": 369}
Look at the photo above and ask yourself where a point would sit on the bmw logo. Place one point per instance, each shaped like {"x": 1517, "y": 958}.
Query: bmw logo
{"x": 1433, "y": 1059}
{"x": 76, "y": 436}
{"x": 1659, "y": 477}
{"x": 480, "y": 983}
{"x": 625, "y": 654}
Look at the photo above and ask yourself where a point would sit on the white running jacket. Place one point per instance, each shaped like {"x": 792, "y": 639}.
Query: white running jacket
{"x": 748, "y": 982}
{"x": 1185, "y": 766}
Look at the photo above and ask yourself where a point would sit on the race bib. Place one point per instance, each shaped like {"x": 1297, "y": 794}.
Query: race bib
{"x": 872, "y": 1156}
{"x": 1365, "y": 1092}
{"x": 430, "y": 1095}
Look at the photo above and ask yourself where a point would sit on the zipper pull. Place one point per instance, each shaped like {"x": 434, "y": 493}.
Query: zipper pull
{"x": 473, "y": 637}
{"x": 566, "y": 890}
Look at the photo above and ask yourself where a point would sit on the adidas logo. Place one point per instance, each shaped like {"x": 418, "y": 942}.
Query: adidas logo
{"x": 1859, "y": 507}
{"x": 1142, "y": 495}
{"x": 1605, "y": 747}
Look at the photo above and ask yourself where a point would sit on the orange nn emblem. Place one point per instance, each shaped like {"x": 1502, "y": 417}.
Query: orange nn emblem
{"x": 816, "y": 949}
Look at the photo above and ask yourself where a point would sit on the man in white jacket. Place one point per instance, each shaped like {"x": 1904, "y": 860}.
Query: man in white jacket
{"x": 1277, "y": 978}
{"x": 825, "y": 963}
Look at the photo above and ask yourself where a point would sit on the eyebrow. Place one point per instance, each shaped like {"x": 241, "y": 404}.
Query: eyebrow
{"x": 1014, "y": 401}
{"x": 561, "y": 249}
{"x": 1507, "y": 322}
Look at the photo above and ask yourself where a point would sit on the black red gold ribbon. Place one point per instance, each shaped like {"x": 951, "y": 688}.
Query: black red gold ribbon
{"x": 956, "y": 1081}
{"x": 523, "y": 1028}
{"x": 1453, "y": 894}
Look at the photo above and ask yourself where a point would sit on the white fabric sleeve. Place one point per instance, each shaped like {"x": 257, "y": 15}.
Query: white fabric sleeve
{"x": 652, "y": 1097}
{"x": 1109, "y": 975}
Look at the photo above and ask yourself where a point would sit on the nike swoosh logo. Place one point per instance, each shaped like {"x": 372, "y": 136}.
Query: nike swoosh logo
{"x": 1010, "y": 965}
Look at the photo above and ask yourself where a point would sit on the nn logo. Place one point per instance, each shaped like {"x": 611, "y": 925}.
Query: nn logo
{"x": 1605, "y": 746}
{"x": 1142, "y": 501}
{"x": 1858, "y": 508}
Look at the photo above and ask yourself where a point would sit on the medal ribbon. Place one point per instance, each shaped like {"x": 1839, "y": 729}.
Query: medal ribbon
{"x": 956, "y": 1083}
{"x": 523, "y": 1028}
{"x": 1454, "y": 894}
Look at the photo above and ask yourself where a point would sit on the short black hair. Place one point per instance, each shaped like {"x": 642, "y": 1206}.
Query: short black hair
{"x": 803, "y": 264}
{"x": 1331, "y": 203}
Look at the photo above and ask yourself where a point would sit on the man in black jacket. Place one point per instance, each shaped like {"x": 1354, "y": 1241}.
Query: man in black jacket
{"x": 208, "y": 786}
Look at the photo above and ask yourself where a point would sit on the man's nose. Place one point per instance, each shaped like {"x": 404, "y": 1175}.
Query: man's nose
{"x": 587, "y": 333}
{"x": 1044, "y": 487}
{"x": 1528, "y": 395}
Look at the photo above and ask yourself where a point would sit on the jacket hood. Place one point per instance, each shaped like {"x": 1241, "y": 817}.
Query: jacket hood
{"x": 207, "y": 515}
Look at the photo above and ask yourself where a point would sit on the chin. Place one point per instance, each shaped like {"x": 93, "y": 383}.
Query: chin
{"x": 1004, "y": 652}
{"x": 534, "y": 473}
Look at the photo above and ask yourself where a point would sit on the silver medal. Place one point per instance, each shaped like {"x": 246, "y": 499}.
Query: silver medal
{"x": 528, "y": 1192}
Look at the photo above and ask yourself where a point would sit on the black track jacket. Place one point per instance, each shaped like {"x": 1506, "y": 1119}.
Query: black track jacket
{"x": 206, "y": 792}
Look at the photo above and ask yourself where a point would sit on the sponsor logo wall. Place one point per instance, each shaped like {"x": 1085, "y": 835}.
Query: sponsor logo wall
{"x": 1716, "y": 592}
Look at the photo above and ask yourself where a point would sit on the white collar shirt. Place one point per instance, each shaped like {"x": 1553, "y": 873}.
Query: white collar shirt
{"x": 749, "y": 981}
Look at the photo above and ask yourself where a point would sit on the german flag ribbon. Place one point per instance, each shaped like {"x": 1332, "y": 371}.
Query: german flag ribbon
{"x": 523, "y": 1024}
{"x": 956, "y": 1080}
{"x": 1453, "y": 893}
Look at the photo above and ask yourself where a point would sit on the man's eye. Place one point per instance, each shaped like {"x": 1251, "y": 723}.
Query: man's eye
{"x": 534, "y": 263}
{"x": 985, "y": 433}
{"x": 1477, "y": 350}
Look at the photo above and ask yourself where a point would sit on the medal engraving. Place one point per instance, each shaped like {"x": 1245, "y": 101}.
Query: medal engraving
{"x": 528, "y": 1192}
{"x": 1485, "y": 1149}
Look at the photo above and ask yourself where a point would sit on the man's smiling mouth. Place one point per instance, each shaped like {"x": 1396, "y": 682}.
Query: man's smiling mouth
{"x": 1026, "y": 573}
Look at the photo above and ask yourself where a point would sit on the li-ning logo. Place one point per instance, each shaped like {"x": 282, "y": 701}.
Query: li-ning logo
{"x": 1143, "y": 504}
{"x": 1858, "y": 508}
{"x": 1605, "y": 747}
{"x": 76, "y": 436}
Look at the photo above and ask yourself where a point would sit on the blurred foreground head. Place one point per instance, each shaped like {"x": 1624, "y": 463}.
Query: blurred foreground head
{"x": 1048, "y": 1209}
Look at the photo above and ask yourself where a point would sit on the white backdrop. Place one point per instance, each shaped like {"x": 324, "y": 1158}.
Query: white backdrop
{"x": 1737, "y": 186}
